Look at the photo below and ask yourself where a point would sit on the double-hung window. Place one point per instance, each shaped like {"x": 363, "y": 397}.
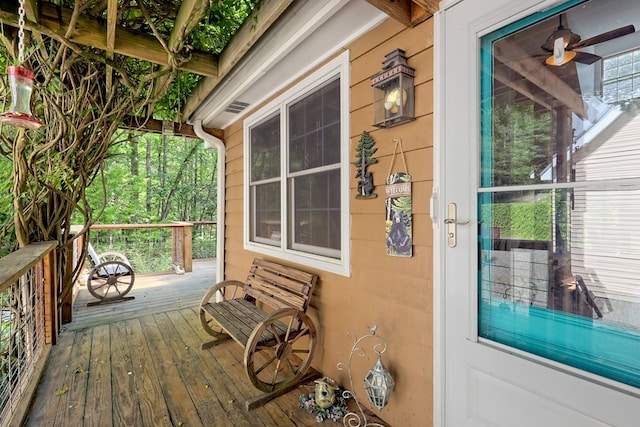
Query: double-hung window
{"x": 296, "y": 172}
{"x": 621, "y": 77}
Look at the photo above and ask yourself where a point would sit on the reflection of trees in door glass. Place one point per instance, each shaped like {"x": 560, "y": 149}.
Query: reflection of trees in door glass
{"x": 521, "y": 147}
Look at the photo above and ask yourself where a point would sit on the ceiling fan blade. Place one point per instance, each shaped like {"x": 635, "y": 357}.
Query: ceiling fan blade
{"x": 586, "y": 58}
{"x": 609, "y": 35}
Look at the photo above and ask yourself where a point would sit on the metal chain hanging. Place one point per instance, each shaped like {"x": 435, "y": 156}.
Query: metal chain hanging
{"x": 21, "y": 13}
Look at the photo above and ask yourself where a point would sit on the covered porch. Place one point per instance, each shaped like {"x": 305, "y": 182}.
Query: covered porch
{"x": 139, "y": 363}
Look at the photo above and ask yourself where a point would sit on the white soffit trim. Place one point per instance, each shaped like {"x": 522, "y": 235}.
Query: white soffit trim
{"x": 307, "y": 33}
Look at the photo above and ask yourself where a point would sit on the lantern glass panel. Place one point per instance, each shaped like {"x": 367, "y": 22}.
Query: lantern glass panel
{"x": 393, "y": 96}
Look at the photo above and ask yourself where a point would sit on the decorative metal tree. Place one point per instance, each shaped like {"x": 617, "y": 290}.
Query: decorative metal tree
{"x": 364, "y": 153}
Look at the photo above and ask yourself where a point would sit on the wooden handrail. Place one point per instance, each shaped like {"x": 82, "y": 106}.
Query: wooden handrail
{"x": 136, "y": 226}
{"x": 17, "y": 263}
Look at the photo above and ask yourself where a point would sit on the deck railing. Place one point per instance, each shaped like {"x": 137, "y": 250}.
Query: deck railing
{"x": 27, "y": 323}
{"x": 157, "y": 248}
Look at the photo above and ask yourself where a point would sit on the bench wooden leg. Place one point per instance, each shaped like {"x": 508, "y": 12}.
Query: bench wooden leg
{"x": 258, "y": 401}
{"x": 214, "y": 342}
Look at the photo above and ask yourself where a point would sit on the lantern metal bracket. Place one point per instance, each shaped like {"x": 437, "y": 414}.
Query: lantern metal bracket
{"x": 351, "y": 418}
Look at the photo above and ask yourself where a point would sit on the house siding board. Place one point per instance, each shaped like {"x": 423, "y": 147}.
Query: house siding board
{"x": 387, "y": 30}
{"x": 394, "y": 293}
{"x": 604, "y": 230}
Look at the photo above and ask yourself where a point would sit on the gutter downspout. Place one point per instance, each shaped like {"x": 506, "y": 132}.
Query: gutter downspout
{"x": 211, "y": 141}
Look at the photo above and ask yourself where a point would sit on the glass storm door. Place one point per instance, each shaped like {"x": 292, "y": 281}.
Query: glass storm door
{"x": 538, "y": 213}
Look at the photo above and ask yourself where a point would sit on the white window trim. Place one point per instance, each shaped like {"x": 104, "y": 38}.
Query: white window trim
{"x": 336, "y": 67}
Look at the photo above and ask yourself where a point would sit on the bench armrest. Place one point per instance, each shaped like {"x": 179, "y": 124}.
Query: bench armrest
{"x": 220, "y": 286}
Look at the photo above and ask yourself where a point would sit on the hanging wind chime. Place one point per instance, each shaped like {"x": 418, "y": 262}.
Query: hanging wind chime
{"x": 21, "y": 82}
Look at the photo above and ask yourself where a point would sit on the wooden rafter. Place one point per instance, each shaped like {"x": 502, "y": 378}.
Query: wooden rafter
{"x": 531, "y": 69}
{"x": 191, "y": 12}
{"x": 400, "y": 10}
{"x": 177, "y": 129}
{"x": 112, "y": 21}
{"x": 31, "y": 10}
{"x": 431, "y": 6}
{"x": 521, "y": 86}
{"x": 248, "y": 34}
{"x": 90, "y": 32}
{"x": 407, "y": 12}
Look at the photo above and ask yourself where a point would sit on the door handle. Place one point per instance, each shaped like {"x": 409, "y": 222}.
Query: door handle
{"x": 452, "y": 224}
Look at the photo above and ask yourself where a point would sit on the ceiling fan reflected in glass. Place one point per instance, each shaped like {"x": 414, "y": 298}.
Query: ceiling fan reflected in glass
{"x": 561, "y": 44}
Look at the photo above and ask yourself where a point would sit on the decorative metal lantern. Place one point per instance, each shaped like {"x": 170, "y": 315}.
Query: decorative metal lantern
{"x": 19, "y": 114}
{"x": 21, "y": 82}
{"x": 393, "y": 91}
{"x": 378, "y": 384}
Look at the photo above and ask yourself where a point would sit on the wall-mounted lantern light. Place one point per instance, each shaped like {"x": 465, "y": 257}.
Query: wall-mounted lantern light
{"x": 393, "y": 91}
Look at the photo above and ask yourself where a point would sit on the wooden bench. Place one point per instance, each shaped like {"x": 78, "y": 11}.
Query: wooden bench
{"x": 266, "y": 315}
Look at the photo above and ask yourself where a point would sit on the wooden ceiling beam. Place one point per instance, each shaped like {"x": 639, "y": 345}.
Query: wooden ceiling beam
{"x": 248, "y": 34}
{"x": 400, "y": 10}
{"x": 533, "y": 70}
{"x": 521, "y": 85}
{"x": 190, "y": 14}
{"x": 31, "y": 10}
{"x": 158, "y": 126}
{"x": 408, "y": 12}
{"x": 431, "y": 6}
{"x": 112, "y": 21}
{"x": 89, "y": 32}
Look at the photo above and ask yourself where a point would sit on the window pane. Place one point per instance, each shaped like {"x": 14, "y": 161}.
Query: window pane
{"x": 265, "y": 149}
{"x": 559, "y": 261}
{"x": 625, "y": 60}
{"x": 557, "y": 279}
{"x": 610, "y": 92}
{"x": 624, "y": 89}
{"x": 524, "y": 146}
{"x": 316, "y": 201}
{"x": 610, "y": 66}
{"x": 266, "y": 224}
{"x": 313, "y": 124}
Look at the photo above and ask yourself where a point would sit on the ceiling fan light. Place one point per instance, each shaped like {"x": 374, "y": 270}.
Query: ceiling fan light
{"x": 568, "y": 56}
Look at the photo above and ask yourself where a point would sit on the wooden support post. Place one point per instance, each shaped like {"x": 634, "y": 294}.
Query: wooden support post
{"x": 51, "y": 326}
{"x": 187, "y": 247}
{"x": 182, "y": 247}
{"x": 66, "y": 305}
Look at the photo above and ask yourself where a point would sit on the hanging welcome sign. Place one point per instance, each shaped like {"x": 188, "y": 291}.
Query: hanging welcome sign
{"x": 399, "y": 224}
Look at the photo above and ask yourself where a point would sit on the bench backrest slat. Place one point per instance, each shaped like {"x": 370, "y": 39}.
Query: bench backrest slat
{"x": 279, "y": 286}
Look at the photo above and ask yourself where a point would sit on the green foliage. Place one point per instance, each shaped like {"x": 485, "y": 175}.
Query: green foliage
{"x": 225, "y": 17}
{"x": 6, "y": 206}
{"x": 521, "y": 144}
{"x": 154, "y": 178}
{"x": 175, "y": 97}
{"x": 521, "y": 220}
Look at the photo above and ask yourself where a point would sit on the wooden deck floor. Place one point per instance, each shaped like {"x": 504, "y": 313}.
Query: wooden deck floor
{"x": 139, "y": 363}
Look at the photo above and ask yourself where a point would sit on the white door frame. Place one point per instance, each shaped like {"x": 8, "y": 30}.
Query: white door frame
{"x": 612, "y": 401}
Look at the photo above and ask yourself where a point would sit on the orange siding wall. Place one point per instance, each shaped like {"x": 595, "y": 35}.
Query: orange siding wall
{"x": 393, "y": 293}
